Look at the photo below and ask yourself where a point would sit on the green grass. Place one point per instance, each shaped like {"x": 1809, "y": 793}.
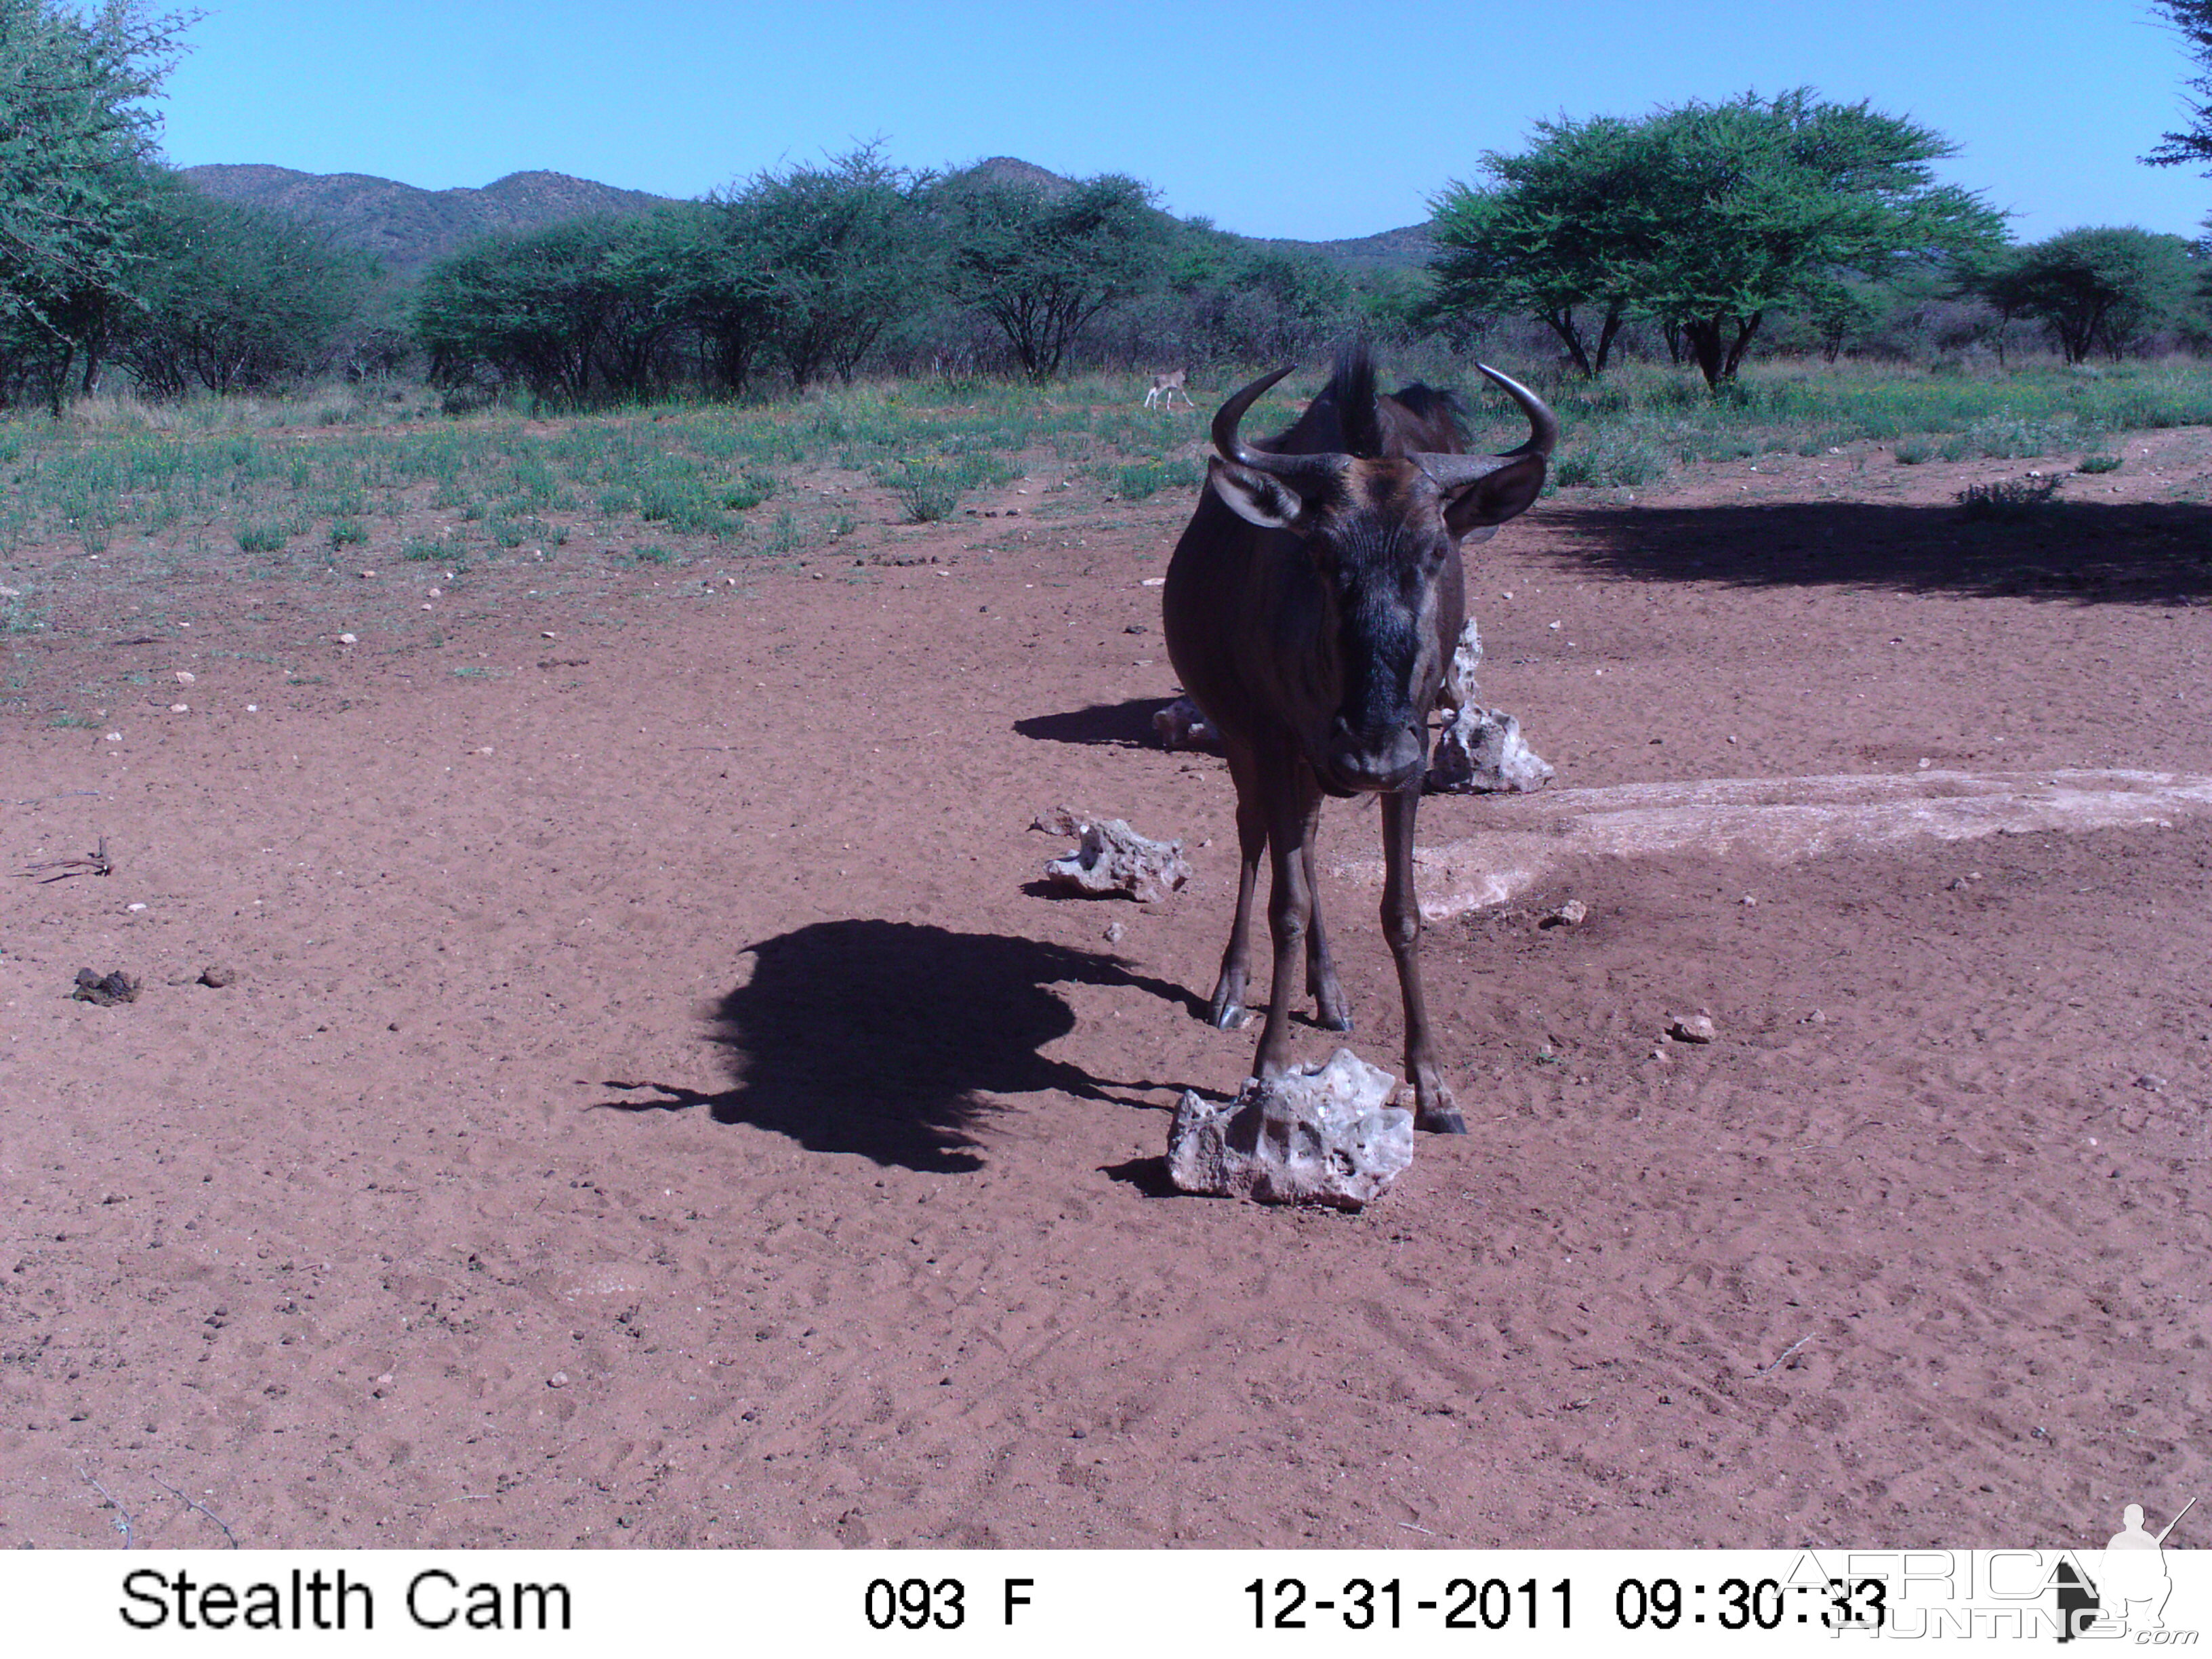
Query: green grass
{"x": 214, "y": 470}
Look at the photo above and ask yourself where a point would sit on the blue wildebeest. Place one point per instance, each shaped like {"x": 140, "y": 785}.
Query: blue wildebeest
{"x": 1311, "y": 608}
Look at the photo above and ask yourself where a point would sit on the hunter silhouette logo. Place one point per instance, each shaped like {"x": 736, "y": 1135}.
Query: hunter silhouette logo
{"x": 2131, "y": 1586}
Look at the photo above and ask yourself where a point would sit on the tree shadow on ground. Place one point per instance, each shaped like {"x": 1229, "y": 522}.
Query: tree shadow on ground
{"x": 1121, "y": 725}
{"x": 887, "y": 1038}
{"x": 2147, "y": 553}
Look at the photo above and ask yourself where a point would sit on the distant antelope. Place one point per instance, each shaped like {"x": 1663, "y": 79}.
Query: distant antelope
{"x": 1170, "y": 384}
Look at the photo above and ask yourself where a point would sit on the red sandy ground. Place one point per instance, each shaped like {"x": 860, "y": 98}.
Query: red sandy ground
{"x": 659, "y": 1106}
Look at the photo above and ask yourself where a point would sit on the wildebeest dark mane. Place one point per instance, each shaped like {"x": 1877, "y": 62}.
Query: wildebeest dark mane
{"x": 1349, "y": 418}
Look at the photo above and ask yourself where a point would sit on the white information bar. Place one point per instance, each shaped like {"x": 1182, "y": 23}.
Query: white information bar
{"x": 1213, "y": 1603}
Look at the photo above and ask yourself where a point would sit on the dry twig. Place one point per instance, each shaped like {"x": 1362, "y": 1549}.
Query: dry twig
{"x": 93, "y": 864}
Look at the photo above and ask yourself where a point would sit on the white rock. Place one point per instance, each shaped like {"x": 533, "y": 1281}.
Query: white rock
{"x": 1481, "y": 751}
{"x": 347, "y": 639}
{"x": 184, "y": 677}
{"x": 1183, "y": 725}
{"x": 1115, "y": 858}
{"x": 180, "y": 708}
{"x": 1691, "y": 1028}
{"x": 1321, "y": 1134}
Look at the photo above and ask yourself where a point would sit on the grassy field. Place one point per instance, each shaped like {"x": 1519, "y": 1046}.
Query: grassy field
{"x": 297, "y": 483}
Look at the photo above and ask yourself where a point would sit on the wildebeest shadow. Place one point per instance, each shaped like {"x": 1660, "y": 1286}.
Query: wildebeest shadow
{"x": 883, "y": 1038}
{"x": 2139, "y": 553}
{"x": 1122, "y": 725}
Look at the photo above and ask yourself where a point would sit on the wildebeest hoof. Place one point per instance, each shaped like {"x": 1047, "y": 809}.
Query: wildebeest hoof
{"x": 1444, "y": 1122}
{"x": 1333, "y": 1019}
{"x": 1226, "y": 1016}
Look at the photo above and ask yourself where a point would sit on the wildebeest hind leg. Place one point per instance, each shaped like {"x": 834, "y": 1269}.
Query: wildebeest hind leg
{"x": 1434, "y": 1107}
{"x": 1331, "y": 1012}
{"x": 1226, "y": 1010}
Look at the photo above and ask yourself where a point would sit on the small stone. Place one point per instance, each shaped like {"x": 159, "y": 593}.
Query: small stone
{"x": 548, "y": 633}
{"x": 217, "y": 975}
{"x": 1750, "y": 902}
{"x": 253, "y": 708}
{"x": 368, "y": 575}
{"x": 1816, "y": 1018}
{"x": 437, "y": 593}
{"x": 1319, "y": 1135}
{"x": 180, "y": 708}
{"x": 139, "y": 905}
{"x": 184, "y": 677}
{"x": 1057, "y": 821}
{"x": 115, "y": 737}
{"x": 1183, "y": 725}
{"x": 558, "y": 1380}
{"x": 1570, "y": 914}
{"x": 1691, "y": 1028}
{"x": 347, "y": 639}
{"x": 1114, "y": 932}
{"x": 2152, "y": 1081}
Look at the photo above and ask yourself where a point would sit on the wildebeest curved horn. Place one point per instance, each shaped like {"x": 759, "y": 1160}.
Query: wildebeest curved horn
{"x": 1289, "y": 468}
{"x": 1450, "y": 470}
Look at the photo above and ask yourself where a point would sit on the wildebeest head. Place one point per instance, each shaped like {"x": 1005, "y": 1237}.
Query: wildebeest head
{"x": 1383, "y": 531}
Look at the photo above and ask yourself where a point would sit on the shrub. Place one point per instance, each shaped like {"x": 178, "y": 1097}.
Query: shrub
{"x": 1141, "y": 479}
{"x": 261, "y": 538}
{"x": 927, "y": 492}
{"x": 348, "y": 532}
{"x": 2007, "y": 500}
{"x": 2100, "y": 464}
{"x": 1611, "y": 461}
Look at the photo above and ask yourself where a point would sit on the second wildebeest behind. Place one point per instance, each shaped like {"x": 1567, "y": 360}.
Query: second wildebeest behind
{"x": 1311, "y": 609}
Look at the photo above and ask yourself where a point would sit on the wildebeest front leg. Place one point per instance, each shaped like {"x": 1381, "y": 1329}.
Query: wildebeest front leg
{"x": 1434, "y": 1107}
{"x": 1294, "y": 813}
{"x": 1227, "y": 1009}
{"x": 1331, "y": 1012}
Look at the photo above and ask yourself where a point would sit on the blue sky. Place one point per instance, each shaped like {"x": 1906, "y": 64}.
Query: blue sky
{"x": 1287, "y": 119}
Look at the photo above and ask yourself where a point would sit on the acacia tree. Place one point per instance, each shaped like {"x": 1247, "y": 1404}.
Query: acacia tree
{"x": 77, "y": 169}
{"x": 2193, "y": 143}
{"x": 822, "y": 259}
{"x": 1544, "y": 238}
{"x": 537, "y": 307}
{"x": 1707, "y": 217}
{"x": 2104, "y": 289}
{"x": 1041, "y": 263}
{"x": 233, "y": 296}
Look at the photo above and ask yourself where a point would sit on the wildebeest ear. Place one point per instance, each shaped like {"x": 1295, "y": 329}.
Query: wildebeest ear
{"x": 1495, "y": 498}
{"x": 1257, "y": 498}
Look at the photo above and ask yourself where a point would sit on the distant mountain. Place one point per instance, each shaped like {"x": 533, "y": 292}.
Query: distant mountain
{"x": 1406, "y": 248}
{"x": 408, "y": 227}
{"x": 405, "y": 227}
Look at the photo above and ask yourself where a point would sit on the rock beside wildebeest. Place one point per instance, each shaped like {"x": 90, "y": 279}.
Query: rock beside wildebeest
{"x": 1480, "y": 750}
{"x": 104, "y": 989}
{"x": 1115, "y": 858}
{"x": 1319, "y": 1134}
{"x": 1183, "y": 725}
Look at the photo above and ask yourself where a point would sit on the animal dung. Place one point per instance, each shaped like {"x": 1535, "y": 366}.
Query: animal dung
{"x": 1183, "y": 725}
{"x": 1318, "y": 1134}
{"x": 104, "y": 989}
{"x": 1115, "y": 858}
